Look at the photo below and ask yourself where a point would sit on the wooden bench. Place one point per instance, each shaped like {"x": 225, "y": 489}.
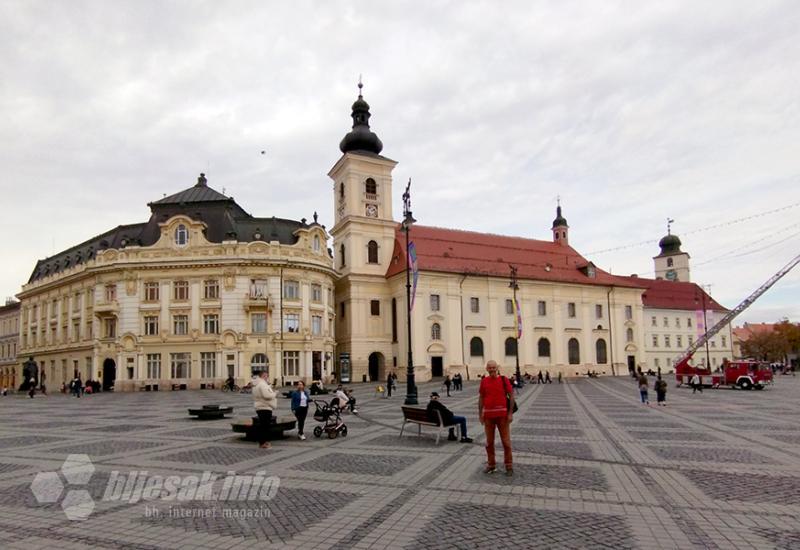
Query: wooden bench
{"x": 211, "y": 412}
{"x": 250, "y": 427}
{"x": 419, "y": 417}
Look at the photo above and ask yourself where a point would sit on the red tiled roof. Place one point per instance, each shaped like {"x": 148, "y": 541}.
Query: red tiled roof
{"x": 665, "y": 294}
{"x": 744, "y": 333}
{"x": 457, "y": 251}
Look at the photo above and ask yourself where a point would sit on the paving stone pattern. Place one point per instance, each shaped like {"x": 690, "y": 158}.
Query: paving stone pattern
{"x": 593, "y": 469}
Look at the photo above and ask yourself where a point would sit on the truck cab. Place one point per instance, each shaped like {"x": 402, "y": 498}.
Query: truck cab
{"x": 747, "y": 374}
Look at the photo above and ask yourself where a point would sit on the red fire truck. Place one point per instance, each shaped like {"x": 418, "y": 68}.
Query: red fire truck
{"x": 745, "y": 375}
{"x": 737, "y": 374}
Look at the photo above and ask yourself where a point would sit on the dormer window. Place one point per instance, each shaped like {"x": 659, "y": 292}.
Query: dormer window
{"x": 181, "y": 235}
{"x": 590, "y": 272}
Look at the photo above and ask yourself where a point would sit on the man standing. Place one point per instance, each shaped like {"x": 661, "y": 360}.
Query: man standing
{"x": 264, "y": 401}
{"x": 696, "y": 384}
{"x": 389, "y": 383}
{"x": 495, "y": 410}
{"x": 448, "y": 418}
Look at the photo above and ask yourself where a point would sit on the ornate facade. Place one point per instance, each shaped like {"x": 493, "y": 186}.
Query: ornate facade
{"x": 200, "y": 292}
{"x": 10, "y": 371}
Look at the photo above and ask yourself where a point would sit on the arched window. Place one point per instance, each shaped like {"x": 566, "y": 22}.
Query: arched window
{"x": 341, "y": 190}
{"x": 629, "y": 335}
{"x": 371, "y": 187}
{"x": 600, "y": 350}
{"x": 544, "y": 347}
{"x": 259, "y": 361}
{"x": 574, "y": 351}
{"x": 511, "y": 347}
{"x": 341, "y": 254}
{"x": 181, "y": 235}
{"x": 476, "y": 347}
{"x": 669, "y": 262}
{"x": 436, "y": 331}
{"x": 316, "y": 243}
{"x": 372, "y": 252}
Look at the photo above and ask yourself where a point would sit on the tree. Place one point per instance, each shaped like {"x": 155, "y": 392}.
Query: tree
{"x": 774, "y": 345}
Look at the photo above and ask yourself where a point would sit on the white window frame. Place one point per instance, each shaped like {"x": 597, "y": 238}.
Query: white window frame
{"x": 180, "y": 324}
{"x": 208, "y": 364}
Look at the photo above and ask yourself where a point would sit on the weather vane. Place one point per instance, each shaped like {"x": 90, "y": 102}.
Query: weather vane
{"x": 670, "y": 221}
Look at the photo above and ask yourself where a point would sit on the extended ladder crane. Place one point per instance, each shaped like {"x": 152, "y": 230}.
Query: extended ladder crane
{"x": 747, "y": 302}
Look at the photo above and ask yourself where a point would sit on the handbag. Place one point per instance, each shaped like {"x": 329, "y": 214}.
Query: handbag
{"x": 508, "y": 399}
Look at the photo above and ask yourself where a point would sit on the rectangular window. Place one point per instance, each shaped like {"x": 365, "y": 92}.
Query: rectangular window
{"x": 76, "y": 331}
{"x": 714, "y": 361}
{"x": 657, "y": 362}
{"x": 211, "y": 289}
{"x": 374, "y": 307}
{"x": 474, "y": 305}
{"x": 291, "y": 290}
{"x": 571, "y": 309}
{"x": 628, "y": 312}
{"x": 211, "y": 323}
{"x": 669, "y": 362}
{"x": 434, "y": 302}
{"x": 724, "y": 341}
{"x": 542, "y": 308}
{"x": 291, "y": 322}
{"x": 689, "y": 322}
{"x": 208, "y": 364}
{"x": 667, "y": 341}
{"x": 509, "y": 307}
{"x": 153, "y": 366}
{"x": 653, "y": 322}
{"x": 655, "y": 341}
{"x": 109, "y": 329}
{"x": 316, "y": 325}
{"x": 151, "y": 325}
{"x": 598, "y": 311}
{"x": 258, "y": 323}
{"x": 341, "y": 310}
{"x": 180, "y": 291}
{"x": 258, "y": 289}
{"x": 151, "y": 292}
{"x": 666, "y": 321}
{"x": 713, "y": 343}
{"x": 691, "y": 340}
{"x": 316, "y": 293}
{"x": 179, "y": 365}
{"x": 291, "y": 363}
{"x": 111, "y": 295}
{"x": 679, "y": 341}
{"x": 678, "y": 322}
{"x": 180, "y": 325}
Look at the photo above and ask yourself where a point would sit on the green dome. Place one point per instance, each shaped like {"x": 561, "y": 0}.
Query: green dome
{"x": 670, "y": 244}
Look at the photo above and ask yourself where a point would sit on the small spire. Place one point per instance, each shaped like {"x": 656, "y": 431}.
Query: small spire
{"x": 558, "y": 200}
{"x": 360, "y": 85}
{"x": 670, "y": 221}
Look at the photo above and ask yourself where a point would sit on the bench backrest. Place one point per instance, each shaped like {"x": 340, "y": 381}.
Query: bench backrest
{"x": 420, "y": 415}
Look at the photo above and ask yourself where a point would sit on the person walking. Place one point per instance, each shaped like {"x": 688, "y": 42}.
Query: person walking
{"x": 389, "y": 384}
{"x": 560, "y": 376}
{"x": 265, "y": 402}
{"x": 643, "y": 388}
{"x": 547, "y": 378}
{"x": 540, "y": 379}
{"x": 31, "y": 387}
{"x": 448, "y": 419}
{"x": 495, "y": 411}
{"x": 696, "y": 384}
{"x": 77, "y": 386}
{"x": 447, "y": 384}
{"x": 661, "y": 391}
{"x": 300, "y": 399}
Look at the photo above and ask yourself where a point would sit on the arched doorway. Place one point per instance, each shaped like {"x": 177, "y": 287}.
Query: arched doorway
{"x": 375, "y": 366}
{"x": 109, "y": 374}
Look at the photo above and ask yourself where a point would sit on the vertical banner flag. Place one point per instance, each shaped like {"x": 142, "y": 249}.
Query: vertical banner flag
{"x": 412, "y": 261}
{"x": 699, "y": 323}
{"x": 518, "y": 318}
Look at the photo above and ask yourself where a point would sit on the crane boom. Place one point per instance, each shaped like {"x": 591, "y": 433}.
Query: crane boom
{"x": 747, "y": 302}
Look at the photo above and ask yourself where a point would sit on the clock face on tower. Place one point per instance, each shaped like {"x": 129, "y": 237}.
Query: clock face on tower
{"x": 671, "y": 275}
{"x": 372, "y": 210}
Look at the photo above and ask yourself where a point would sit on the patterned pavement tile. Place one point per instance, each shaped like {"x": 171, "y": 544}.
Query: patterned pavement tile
{"x": 711, "y": 454}
{"x": 747, "y": 487}
{"x": 581, "y": 478}
{"x": 109, "y": 447}
{"x": 225, "y": 456}
{"x": 343, "y": 463}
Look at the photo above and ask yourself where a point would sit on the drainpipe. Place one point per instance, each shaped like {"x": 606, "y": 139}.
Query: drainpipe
{"x": 461, "y": 303}
{"x": 280, "y": 323}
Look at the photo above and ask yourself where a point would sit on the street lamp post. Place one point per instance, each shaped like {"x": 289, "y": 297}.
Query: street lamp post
{"x": 705, "y": 326}
{"x": 514, "y": 286}
{"x": 408, "y": 221}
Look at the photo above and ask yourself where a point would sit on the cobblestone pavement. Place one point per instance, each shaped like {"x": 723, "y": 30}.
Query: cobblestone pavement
{"x": 593, "y": 469}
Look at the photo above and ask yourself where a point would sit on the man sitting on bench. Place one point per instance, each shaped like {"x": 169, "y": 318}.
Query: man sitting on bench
{"x": 448, "y": 418}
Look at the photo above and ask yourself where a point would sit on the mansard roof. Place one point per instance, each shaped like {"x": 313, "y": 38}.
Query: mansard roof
{"x": 469, "y": 252}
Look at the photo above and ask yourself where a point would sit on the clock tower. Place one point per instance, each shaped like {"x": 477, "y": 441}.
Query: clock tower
{"x": 672, "y": 263}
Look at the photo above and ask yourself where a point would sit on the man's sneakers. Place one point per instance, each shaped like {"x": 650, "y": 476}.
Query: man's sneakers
{"x": 301, "y": 437}
{"x": 489, "y": 470}
{"x": 466, "y": 440}
{"x": 355, "y": 411}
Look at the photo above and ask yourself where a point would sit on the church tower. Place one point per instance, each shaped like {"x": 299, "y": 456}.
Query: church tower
{"x": 672, "y": 263}
{"x": 560, "y": 228}
{"x": 363, "y": 243}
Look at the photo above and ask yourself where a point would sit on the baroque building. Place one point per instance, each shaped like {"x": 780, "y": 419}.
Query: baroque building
{"x": 575, "y": 317}
{"x": 10, "y": 372}
{"x": 199, "y": 292}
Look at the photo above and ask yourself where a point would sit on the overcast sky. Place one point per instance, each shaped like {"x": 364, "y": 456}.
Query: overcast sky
{"x": 632, "y": 114}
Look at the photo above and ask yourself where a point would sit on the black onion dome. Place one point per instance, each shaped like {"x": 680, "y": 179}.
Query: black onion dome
{"x": 361, "y": 138}
{"x": 560, "y": 220}
{"x": 670, "y": 244}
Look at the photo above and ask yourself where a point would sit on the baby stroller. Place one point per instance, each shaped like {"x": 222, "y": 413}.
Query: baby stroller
{"x": 329, "y": 415}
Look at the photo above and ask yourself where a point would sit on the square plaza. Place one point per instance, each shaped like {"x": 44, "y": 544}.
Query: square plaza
{"x": 593, "y": 469}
